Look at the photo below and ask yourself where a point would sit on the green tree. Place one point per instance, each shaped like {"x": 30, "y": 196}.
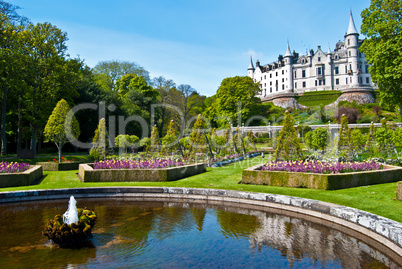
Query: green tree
{"x": 109, "y": 72}
{"x": 100, "y": 141}
{"x": 288, "y": 146}
{"x": 235, "y": 99}
{"x": 197, "y": 138}
{"x": 382, "y": 24}
{"x": 320, "y": 138}
{"x": 126, "y": 141}
{"x": 169, "y": 141}
{"x": 155, "y": 142}
{"x": 55, "y": 129}
{"x": 344, "y": 134}
{"x": 357, "y": 140}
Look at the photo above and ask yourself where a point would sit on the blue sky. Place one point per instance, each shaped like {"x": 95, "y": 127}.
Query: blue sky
{"x": 192, "y": 41}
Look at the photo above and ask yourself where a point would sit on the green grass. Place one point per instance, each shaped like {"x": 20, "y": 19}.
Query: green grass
{"x": 377, "y": 199}
{"x": 317, "y": 98}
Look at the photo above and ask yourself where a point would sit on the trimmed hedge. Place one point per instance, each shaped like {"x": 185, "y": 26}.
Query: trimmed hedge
{"x": 56, "y": 166}
{"x": 21, "y": 179}
{"x": 88, "y": 174}
{"x": 399, "y": 191}
{"x": 254, "y": 175}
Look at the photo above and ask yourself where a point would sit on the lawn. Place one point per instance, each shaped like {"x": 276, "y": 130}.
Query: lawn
{"x": 377, "y": 199}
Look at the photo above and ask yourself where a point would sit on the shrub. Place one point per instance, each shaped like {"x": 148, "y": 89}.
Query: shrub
{"x": 288, "y": 146}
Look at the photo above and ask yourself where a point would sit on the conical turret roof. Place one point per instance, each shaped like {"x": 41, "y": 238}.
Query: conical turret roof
{"x": 352, "y": 28}
{"x": 288, "y": 54}
{"x": 251, "y": 66}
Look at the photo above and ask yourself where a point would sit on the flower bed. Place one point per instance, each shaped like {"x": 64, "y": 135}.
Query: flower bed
{"x": 334, "y": 181}
{"x": 24, "y": 178}
{"x": 322, "y": 167}
{"x": 137, "y": 164}
{"x": 7, "y": 168}
{"x": 87, "y": 173}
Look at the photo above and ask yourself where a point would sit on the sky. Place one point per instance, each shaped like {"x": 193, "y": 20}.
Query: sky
{"x": 195, "y": 42}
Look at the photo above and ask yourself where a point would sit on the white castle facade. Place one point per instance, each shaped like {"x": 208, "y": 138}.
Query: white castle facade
{"x": 343, "y": 69}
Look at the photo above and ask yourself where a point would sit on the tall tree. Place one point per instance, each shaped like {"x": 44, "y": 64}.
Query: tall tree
{"x": 235, "y": 99}
{"x": 11, "y": 23}
{"x": 50, "y": 75}
{"x": 109, "y": 72}
{"x": 55, "y": 129}
{"x": 168, "y": 96}
{"x": 382, "y": 24}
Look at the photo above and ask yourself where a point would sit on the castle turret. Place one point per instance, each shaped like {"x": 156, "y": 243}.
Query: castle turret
{"x": 352, "y": 45}
{"x": 289, "y": 70}
{"x": 251, "y": 69}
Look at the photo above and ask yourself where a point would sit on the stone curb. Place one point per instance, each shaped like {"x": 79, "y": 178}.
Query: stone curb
{"x": 383, "y": 230}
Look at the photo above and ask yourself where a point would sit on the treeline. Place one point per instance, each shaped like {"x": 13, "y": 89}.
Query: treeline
{"x": 36, "y": 72}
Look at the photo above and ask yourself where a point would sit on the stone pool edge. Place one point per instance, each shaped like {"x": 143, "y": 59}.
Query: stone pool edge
{"x": 385, "y": 231}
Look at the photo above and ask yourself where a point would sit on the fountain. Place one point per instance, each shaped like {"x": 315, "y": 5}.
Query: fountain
{"x": 73, "y": 229}
{"x": 71, "y": 215}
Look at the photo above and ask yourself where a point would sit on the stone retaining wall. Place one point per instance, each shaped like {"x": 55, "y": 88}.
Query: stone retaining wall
{"x": 254, "y": 175}
{"x": 88, "y": 174}
{"x": 56, "y": 166}
{"x": 384, "y": 231}
{"x": 21, "y": 179}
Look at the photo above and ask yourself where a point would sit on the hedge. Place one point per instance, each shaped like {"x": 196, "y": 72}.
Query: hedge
{"x": 21, "y": 179}
{"x": 88, "y": 174}
{"x": 254, "y": 175}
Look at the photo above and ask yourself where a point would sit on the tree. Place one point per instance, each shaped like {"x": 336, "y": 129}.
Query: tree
{"x": 382, "y": 24}
{"x": 197, "y": 138}
{"x": 288, "y": 146}
{"x": 168, "y": 96}
{"x": 108, "y": 72}
{"x": 48, "y": 74}
{"x": 236, "y": 99}
{"x": 100, "y": 140}
{"x": 55, "y": 129}
{"x": 320, "y": 138}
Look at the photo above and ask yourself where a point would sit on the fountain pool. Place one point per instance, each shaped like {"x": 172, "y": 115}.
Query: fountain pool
{"x": 130, "y": 233}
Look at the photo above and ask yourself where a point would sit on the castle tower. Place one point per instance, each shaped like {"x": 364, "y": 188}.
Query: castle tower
{"x": 289, "y": 70}
{"x": 251, "y": 69}
{"x": 352, "y": 45}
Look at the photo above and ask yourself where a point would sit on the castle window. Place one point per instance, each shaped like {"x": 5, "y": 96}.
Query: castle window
{"x": 336, "y": 57}
{"x": 337, "y": 81}
{"x": 323, "y": 82}
{"x": 283, "y": 87}
{"x": 283, "y": 80}
{"x": 303, "y": 73}
{"x": 346, "y": 69}
{"x": 319, "y": 71}
{"x": 265, "y": 77}
{"x": 302, "y": 61}
{"x": 348, "y": 41}
{"x": 350, "y": 66}
{"x": 265, "y": 84}
{"x": 270, "y": 89}
{"x": 368, "y": 80}
{"x": 319, "y": 59}
{"x": 346, "y": 80}
{"x": 367, "y": 70}
{"x": 265, "y": 92}
{"x": 320, "y": 82}
{"x": 350, "y": 80}
{"x": 295, "y": 74}
{"x": 304, "y": 84}
{"x": 350, "y": 54}
{"x": 316, "y": 83}
{"x": 283, "y": 72}
{"x": 295, "y": 85}
{"x": 360, "y": 80}
{"x": 336, "y": 70}
{"x": 270, "y": 75}
{"x": 276, "y": 73}
{"x": 270, "y": 83}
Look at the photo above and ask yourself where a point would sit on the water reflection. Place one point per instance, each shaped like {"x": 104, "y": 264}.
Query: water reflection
{"x": 132, "y": 234}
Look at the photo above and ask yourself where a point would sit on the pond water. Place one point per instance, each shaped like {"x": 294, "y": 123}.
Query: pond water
{"x": 180, "y": 235}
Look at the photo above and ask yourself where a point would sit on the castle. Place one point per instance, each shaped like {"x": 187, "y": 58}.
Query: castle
{"x": 344, "y": 69}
